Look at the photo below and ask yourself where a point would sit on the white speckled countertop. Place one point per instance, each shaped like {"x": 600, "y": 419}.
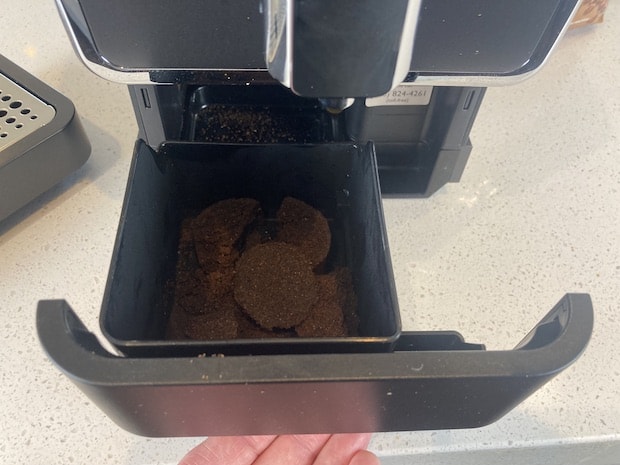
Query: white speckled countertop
{"x": 536, "y": 215}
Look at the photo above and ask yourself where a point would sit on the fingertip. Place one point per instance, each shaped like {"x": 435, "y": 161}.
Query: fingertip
{"x": 364, "y": 457}
{"x": 363, "y": 439}
{"x": 229, "y": 450}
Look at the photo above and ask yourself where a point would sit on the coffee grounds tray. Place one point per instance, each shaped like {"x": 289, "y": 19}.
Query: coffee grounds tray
{"x": 255, "y": 114}
{"x": 181, "y": 179}
{"x": 379, "y": 379}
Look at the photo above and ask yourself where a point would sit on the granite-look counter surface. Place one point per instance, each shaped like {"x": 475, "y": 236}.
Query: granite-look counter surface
{"x": 536, "y": 215}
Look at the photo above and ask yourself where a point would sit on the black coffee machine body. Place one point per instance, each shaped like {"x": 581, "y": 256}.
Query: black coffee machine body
{"x": 411, "y": 76}
{"x": 362, "y": 98}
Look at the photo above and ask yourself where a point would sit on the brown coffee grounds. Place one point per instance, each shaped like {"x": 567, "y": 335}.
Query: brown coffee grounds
{"x": 305, "y": 227}
{"x": 255, "y": 124}
{"x": 241, "y": 275}
{"x": 261, "y": 232}
{"x": 248, "y": 329}
{"x": 186, "y": 252}
{"x": 218, "y": 229}
{"x": 176, "y": 323}
{"x": 218, "y": 325}
{"x": 274, "y": 285}
{"x": 194, "y": 297}
{"x": 326, "y": 318}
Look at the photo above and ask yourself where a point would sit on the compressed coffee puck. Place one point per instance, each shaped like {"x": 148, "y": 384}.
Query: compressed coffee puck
{"x": 186, "y": 252}
{"x": 248, "y": 329}
{"x": 218, "y": 283}
{"x": 326, "y": 319}
{"x": 198, "y": 292}
{"x": 263, "y": 230}
{"x": 218, "y": 325}
{"x": 275, "y": 285}
{"x": 190, "y": 293}
{"x": 305, "y": 227}
{"x": 219, "y": 228}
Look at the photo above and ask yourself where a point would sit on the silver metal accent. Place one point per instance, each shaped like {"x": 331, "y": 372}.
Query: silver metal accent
{"x": 21, "y": 112}
{"x": 472, "y": 81}
{"x": 407, "y": 39}
{"x": 278, "y": 36}
{"x": 122, "y": 77}
{"x": 336, "y": 106}
{"x": 279, "y": 40}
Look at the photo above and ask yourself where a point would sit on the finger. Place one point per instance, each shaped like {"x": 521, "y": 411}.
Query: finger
{"x": 297, "y": 449}
{"x": 229, "y": 450}
{"x": 340, "y": 448}
{"x": 364, "y": 457}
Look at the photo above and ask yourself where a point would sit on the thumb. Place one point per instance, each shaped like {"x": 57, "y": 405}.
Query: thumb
{"x": 364, "y": 457}
{"x": 229, "y": 450}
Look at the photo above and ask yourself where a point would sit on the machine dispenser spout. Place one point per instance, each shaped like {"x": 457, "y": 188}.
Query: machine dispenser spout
{"x": 336, "y": 105}
{"x": 349, "y": 48}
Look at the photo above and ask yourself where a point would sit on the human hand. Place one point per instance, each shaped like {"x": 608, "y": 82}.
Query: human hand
{"x": 306, "y": 449}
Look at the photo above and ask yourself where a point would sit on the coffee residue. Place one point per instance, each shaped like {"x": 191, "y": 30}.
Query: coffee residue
{"x": 256, "y": 124}
{"x": 242, "y": 275}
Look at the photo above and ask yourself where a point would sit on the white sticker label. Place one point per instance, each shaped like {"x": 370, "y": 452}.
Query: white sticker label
{"x": 403, "y": 95}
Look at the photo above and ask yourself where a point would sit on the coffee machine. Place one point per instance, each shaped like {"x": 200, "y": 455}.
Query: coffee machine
{"x": 336, "y": 103}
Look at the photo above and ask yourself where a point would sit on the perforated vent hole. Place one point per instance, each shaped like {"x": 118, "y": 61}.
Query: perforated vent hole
{"x": 21, "y": 112}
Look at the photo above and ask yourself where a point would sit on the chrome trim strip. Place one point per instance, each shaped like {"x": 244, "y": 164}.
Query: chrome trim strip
{"x": 407, "y": 40}
{"x": 123, "y": 77}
